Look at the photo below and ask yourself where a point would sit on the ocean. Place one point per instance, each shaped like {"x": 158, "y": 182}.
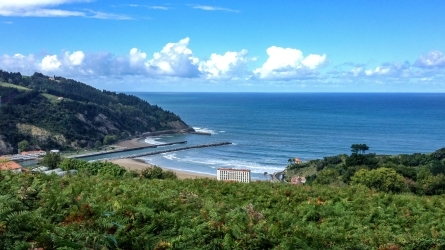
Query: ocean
{"x": 267, "y": 129}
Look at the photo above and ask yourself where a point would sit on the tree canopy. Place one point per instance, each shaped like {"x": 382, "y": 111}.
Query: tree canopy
{"x": 359, "y": 148}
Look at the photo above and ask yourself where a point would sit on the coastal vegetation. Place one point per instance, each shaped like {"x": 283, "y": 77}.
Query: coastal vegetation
{"x": 106, "y": 207}
{"x": 422, "y": 174}
{"x": 55, "y": 112}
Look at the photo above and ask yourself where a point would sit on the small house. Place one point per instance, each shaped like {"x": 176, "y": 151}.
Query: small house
{"x": 297, "y": 160}
{"x": 298, "y": 180}
{"x": 11, "y": 166}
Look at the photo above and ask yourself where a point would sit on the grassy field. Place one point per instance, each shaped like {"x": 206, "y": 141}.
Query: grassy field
{"x": 51, "y": 98}
{"x": 9, "y": 85}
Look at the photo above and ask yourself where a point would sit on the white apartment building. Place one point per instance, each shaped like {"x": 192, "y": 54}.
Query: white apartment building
{"x": 232, "y": 174}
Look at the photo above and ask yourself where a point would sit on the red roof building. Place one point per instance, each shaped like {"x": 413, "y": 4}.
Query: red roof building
{"x": 298, "y": 180}
{"x": 10, "y": 165}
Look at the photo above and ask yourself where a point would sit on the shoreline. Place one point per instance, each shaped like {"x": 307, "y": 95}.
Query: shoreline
{"x": 139, "y": 165}
{"x": 133, "y": 143}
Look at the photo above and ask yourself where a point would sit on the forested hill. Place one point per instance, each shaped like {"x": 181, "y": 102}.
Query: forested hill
{"x": 57, "y": 112}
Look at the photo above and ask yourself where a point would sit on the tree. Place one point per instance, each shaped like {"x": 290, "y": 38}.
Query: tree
{"x": 97, "y": 145}
{"x": 153, "y": 172}
{"x": 109, "y": 139}
{"x": 51, "y": 160}
{"x": 327, "y": 176}
{"x": 381, "y": 179}
{"x": 23, "y": 145}
{"x": 359, "y": 148}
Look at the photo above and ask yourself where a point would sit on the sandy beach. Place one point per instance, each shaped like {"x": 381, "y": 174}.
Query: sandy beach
{"x": 133, "y": 143}
{"x": 139, "y": 165}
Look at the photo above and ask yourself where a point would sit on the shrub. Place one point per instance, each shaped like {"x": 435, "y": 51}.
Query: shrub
{"x": 381, "y": 179}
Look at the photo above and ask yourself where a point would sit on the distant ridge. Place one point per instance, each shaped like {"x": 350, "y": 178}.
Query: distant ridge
{"x": 55, "y": 112}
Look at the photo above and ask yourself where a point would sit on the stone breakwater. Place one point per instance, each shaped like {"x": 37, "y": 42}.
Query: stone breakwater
{"x": 168, "y": 150}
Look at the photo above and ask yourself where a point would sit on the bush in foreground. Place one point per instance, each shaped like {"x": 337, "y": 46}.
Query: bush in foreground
{"x": 105, "y": 212}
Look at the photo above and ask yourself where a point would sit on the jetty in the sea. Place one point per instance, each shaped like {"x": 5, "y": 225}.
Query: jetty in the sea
{"x": 167, "y": 151}
{"x": 119, "y": 150}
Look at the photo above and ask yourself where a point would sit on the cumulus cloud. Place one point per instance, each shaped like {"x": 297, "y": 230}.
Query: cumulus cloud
{"x": 434, "y": 59}
{"x": 288, "y": 64}
{"x": 50, "y": 63}
{"x": 45, "y": 8}
{"x": 175, "y": 59}
{"x": 136, "y": 57}
{"x": 76, "y": 58}
{"x": 17, "y": 62}
{"x": 231, "y": 65}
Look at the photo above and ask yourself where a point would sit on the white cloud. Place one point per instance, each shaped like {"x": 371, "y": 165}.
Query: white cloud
{"x": 213, "y": 8}
{"x": 434, "y": 59}
{"x": 287, "y": 64}
{"x": 136, "y": 57}
{"x": 76, "y": 58}
{"x": 17, "y": 62}
{"x": 395, "y": 70}
{"x": 50, "y": 63}
{"x": 231, "y": 65}
{"x": 103, "y": 15}
{"x": 312, "y": 61}
{"x": 175, "y": 59}
{"x": 45, "y": 8}
{"x": 158, "y": 7}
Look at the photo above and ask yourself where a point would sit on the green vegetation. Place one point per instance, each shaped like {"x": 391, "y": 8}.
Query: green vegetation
{"x": 110, "y": 139}
{"x": 51, "y": 160}
{"x": 417, "y": 173}
{"x": 9, "y": 85}
{"x": 23, "y": 145}
{"x": 53, "y": 98}
{"x": 31, "y": 110}
{"x": 111, "y": 210}
{"x": 156, "y": 172}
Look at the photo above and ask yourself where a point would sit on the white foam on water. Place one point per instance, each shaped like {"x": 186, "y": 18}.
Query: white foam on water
{"x": 220, "y": 163}
{"x": 204, "y": 130}
{"x": 153, "y": 140}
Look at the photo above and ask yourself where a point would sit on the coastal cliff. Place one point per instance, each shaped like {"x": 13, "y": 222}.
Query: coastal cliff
{"x": 55, "y": 112}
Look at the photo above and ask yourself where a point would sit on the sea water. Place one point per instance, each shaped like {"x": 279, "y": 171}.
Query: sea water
{"x": 267, "y": 129}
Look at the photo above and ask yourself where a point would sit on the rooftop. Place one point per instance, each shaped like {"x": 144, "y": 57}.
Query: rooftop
{"x": 10, "y": 165}
{"x": 234, "y": 169}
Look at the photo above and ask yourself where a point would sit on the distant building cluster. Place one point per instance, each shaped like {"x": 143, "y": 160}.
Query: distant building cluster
{"x": 232, "y": 174}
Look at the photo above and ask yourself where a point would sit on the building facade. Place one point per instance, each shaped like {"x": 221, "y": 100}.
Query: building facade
{"x": 232, "y": 174}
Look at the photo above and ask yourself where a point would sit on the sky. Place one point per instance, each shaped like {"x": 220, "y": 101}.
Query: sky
{"x": 229, "y": 46}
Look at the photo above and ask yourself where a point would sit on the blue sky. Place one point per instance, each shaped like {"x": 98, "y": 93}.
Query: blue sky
{"x": 228, "y": 46}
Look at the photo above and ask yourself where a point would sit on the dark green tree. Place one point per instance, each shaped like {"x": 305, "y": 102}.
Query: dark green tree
{"x": 51, "y": 160}
{"x": 109, "y": 139}
{"x": 97, "y": 145}
{"x": 359, "y": 148}
{"x": 23, "y": 145}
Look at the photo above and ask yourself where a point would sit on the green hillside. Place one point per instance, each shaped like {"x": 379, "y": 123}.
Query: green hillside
{"x": 63, "y": 113}
{"x": 417, "y": 173}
